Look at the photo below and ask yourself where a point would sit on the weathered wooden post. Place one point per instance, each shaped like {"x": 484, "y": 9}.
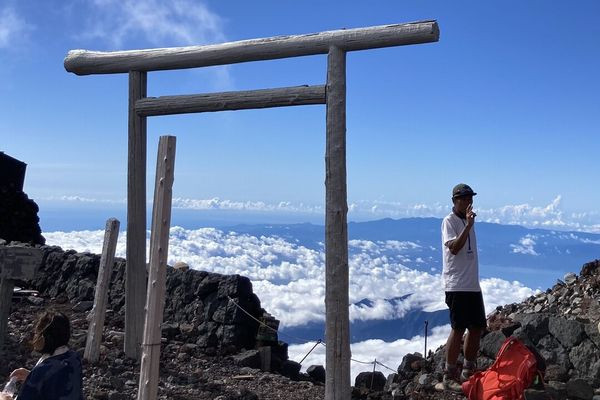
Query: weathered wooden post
{"x": 94, "y": 336}
{"x": 159, "y": 251}
{"x": 135, "y": 281}
{"x": 337, "y": 326}
{"x": 15, "y": 263}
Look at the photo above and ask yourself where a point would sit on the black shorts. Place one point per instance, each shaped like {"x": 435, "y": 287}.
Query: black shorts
{"x": 466, "y": 310}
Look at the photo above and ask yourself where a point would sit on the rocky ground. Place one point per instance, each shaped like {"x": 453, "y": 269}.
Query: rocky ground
{"x": 185, "y": 373}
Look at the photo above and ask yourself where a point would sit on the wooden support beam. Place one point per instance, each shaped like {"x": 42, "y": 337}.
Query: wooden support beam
{"x": 83, "y": 62}
{"x": 94, "y": 335}
{"x": 6, "y": 291}
{"x": 135, "y": 277}
{"x": 227, "y": 101}
{"x": 337, "y": 325}
{"x": 159, "y": 251}
{"x": 15, "y": 263}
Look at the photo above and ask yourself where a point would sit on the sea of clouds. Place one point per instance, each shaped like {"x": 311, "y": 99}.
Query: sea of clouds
{"x": 289, "y": 280}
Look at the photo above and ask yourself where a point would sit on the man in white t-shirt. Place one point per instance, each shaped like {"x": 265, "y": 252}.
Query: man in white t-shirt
{"x": 461, "y": 284}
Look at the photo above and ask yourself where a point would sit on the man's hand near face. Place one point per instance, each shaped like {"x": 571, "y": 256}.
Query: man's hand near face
{"x": 470, "y": 215}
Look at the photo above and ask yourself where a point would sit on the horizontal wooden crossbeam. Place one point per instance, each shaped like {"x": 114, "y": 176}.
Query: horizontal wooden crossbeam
{"x": 84, "y": 62}
{"x": 239, "y": 100}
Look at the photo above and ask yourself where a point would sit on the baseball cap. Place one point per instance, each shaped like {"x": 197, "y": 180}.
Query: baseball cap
{"x": 462, "y": 189}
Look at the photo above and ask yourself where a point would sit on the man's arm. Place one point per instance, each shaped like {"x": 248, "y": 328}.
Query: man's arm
{"x": 457, "y": 244}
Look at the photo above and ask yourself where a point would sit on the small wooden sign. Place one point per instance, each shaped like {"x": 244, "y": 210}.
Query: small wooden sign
{"x": 19, "y": 262}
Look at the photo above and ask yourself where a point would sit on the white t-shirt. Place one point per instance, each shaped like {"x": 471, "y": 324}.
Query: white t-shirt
{"x": 461, "y": 271}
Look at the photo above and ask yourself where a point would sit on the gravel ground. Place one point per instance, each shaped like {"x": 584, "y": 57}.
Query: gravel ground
{"x": 184, "y": 372}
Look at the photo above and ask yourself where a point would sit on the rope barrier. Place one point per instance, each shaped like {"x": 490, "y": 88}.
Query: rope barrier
{"x": 319, "y": 341}
{"x": 303, "y": 340}
{"x": 373, "y": 374}
{"x": 385, "y": 366}
{"x": 362, "y": 362}
{"x": 310, "y": 351}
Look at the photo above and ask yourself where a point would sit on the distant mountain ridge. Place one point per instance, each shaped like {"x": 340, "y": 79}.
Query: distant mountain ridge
{"x": 535, "y": 257}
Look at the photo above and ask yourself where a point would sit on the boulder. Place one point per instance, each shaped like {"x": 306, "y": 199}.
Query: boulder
{"x": 570, "y": 277}
{"x": 170, "y": 330}
{"x": 491, "y": 343}
{"x": 181, "y": 266}
{"x": 557, "y": 390}
{"x": 316, "y": 372}
{"x": 426, "y": 380}
{"x": 18, "y": 215}
{"x": 534, "y": 325}
{"x": 406, "y": 366}
{"x": 249, "y": 358}
{"x": 590, "y": 268}
{"x": 536, "y": 394}
{"x": 579, "y": 389}
{"x": 484, "y": 363}
{"x": 291, "y": 369}
{"x": 370, "y": 380}
{"x": 567, "y": 331}
{"x": 593, "y": 333}
{"x": 556, "y": 372}
{"x": 586, "y": 361}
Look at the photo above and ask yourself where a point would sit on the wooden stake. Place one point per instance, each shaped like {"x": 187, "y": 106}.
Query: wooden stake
{"x": 94, "y": 336}
{"x": 159, "y": 250}
{"x": 135, "y": 277}
{"x": 337, "y": 325}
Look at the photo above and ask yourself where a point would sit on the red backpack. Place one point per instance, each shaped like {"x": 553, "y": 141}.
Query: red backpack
{"x": 513, "y": 371}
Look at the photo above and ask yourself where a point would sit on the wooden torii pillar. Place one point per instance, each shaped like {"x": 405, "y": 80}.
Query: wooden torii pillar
{"x": 334, "y": 43}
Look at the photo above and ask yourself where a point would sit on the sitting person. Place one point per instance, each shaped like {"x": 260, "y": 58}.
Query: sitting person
{"x": 57, "y": 374}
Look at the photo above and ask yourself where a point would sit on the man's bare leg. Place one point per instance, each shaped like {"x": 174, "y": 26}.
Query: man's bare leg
{"x": 471, "y": 349}
{"x": 451, "y": 373}
{"x": 453, "y": 346}
{"x": 472, "y": 343}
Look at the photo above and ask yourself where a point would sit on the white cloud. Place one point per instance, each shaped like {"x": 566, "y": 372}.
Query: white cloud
{"x": 548, "y": 216}
{"x": 499, "y": 292}
{"x": 387, "y": 353}
{"x": 289, "y": 278}
{"x": 82, "y": 199}
{"x": 156, "y": 23}
{"x": 12, "y": 27}
{"x": 217, "y": 204}
{"x": 160, "y": 23}
{"x": 525, "y": 246}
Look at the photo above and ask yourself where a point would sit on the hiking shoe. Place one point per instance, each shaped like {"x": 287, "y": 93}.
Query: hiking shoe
{"x": 449, "y": 383}
{"x": 466, "y": 374}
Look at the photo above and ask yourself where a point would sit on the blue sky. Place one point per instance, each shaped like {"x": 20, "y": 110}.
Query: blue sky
{"x": 507, "y": 101}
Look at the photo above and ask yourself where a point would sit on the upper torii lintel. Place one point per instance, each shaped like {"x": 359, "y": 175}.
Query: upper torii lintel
{"x": 84, "y": 62}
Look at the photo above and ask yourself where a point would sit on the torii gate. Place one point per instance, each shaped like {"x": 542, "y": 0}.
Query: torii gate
{"x": 334, "y": 43}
